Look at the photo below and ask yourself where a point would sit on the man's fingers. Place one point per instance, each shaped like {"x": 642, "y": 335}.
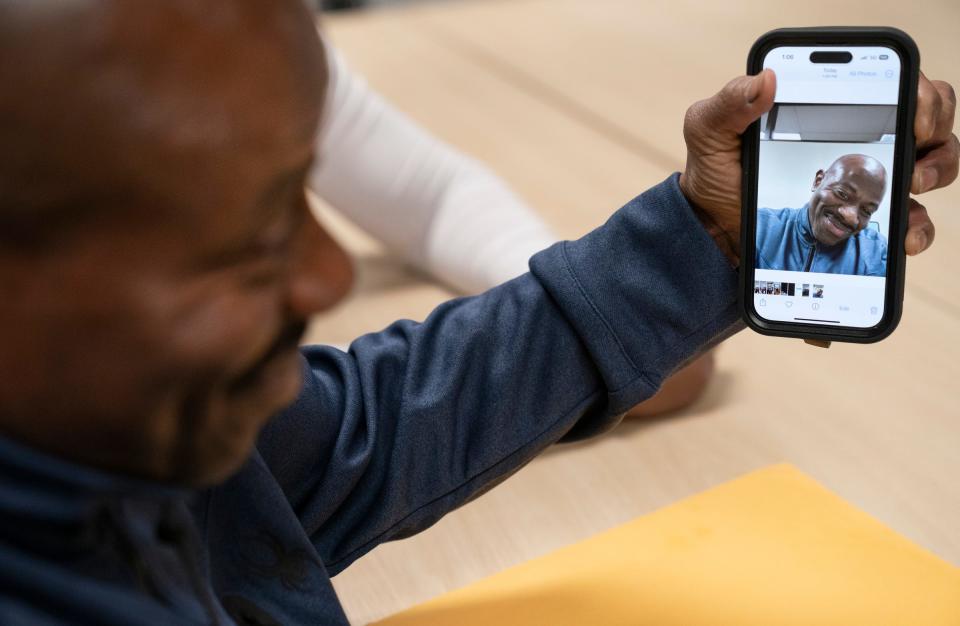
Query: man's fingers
{"x": 938, "y": 167}
{"x": 929, "y": 105}
{"x": 948, "y": 110}
{"x": 744, "y": 100}
{"x": 936, "y": 108}
{"x": 740, "y": 103}
{"x": 920, "y": 230}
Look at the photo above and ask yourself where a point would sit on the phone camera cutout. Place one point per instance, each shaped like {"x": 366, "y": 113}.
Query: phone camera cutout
{"x": 823, "y": 56}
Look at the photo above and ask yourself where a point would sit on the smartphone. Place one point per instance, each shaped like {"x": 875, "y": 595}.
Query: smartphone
{"x": 826, "y": 178}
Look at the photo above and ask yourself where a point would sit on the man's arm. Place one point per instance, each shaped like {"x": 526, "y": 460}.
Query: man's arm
{"x": 420, "y": 418}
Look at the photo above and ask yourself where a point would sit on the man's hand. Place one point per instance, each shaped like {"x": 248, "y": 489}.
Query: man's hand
{"x": 712, "y": 130}
{"x": 938, "y": 156}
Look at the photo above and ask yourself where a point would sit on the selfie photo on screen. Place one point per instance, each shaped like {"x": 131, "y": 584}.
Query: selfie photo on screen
{"x": 822, "y": 198}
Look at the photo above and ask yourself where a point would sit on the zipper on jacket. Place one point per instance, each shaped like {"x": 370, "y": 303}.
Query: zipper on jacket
{"x": 809, "y": 263}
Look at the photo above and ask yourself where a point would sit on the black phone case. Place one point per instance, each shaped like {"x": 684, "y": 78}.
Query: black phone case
{"x": 900, "y": 184}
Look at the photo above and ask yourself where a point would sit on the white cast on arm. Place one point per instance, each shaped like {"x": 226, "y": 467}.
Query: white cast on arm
{"x": 434, "y": 207}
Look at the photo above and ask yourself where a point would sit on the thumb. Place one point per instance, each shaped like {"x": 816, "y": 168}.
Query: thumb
{"x": 740, "y": 103}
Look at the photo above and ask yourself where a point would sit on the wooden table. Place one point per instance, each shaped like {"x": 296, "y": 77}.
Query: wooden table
{"x": 579, "y": 104}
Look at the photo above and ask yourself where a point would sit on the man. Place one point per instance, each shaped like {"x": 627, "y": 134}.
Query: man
{"x": 829, "y": 234}
{"x": 158, "y": 262}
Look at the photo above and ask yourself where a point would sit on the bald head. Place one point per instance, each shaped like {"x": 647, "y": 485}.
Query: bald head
{"x": 110, "y": 99}
{"x": 862, "y": 166}
{"x": 845, "y": 197}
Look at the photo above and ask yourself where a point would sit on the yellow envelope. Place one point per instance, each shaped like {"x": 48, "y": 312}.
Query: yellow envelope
{"x": 770, "y": 548}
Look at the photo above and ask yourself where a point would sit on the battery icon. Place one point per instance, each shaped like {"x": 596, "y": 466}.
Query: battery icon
{"x": 884, "y": 57}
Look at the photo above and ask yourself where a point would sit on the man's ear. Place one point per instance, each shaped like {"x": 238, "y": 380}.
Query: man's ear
{"x": 817, "y": 180}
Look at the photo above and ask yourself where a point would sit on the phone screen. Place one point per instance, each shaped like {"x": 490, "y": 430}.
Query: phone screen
{"x": 825, "y": 170}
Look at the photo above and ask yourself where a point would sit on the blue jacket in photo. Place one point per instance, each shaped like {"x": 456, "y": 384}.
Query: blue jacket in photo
{"x": 785, "y": 241}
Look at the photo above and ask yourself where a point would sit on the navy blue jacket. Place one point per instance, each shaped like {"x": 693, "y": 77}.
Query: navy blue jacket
{"x": 385, "y": 439}
{"x": 786, "y": 242}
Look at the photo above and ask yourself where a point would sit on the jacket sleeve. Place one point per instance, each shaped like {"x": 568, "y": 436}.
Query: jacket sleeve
{"x": 418, "y": 419}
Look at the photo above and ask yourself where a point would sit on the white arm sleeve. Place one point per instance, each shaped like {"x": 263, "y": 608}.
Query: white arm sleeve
{"x": 434, "y": 207}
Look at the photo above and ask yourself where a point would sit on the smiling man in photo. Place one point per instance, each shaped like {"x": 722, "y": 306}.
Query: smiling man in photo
{"x": 830, "y": 233}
